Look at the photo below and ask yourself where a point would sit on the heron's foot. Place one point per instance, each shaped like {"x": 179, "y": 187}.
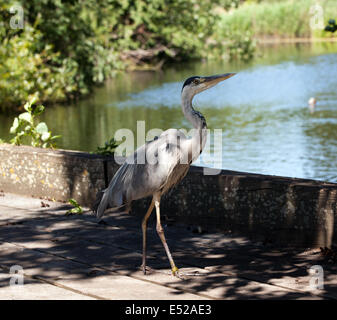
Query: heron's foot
{"x": 175, "y": 271}
{"x": 102, "y": 222}
{"x": 182, "y": 274}
{"x": 146, "y": 269}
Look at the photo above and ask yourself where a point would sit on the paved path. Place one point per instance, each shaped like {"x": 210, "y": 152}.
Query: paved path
{"x": 72, "y": 257}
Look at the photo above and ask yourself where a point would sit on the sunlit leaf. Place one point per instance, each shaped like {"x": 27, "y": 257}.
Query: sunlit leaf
{"x": 77, "y": 210}
{"x": 33, "y": 100}
{"x": 26, "y": 116}
{"x": 42, "y": 128}
{"x": 45, "y": 136}
{"x": 73, "y": 202}
{"x": 14, "y": 126}
{"x": 38, "y": 110}
{"x": 27, "y": 106}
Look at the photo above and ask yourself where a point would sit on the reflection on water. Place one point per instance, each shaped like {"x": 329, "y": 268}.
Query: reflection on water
{"x": 263, "y": 111}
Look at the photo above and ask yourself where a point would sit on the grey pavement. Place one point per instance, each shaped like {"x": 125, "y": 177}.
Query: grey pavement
{"x": 73, "y": 257}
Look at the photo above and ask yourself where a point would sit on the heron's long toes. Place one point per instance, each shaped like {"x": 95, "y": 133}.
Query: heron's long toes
{"x": 175, "y": 271}
{"x": 181, "y": 274}
{"x": 178, "y": 275}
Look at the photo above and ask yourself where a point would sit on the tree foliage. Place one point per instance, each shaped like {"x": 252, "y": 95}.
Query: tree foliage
{"x": 332, "y": 26}
{"x": 67, "y": 46}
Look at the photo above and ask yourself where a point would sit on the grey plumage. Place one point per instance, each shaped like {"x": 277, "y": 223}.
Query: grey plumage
{"x": 166, "y": 161}
{"x": 134, "y": 181}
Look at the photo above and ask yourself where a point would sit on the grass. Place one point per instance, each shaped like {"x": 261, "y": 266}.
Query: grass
{"x": 282, "y": 19}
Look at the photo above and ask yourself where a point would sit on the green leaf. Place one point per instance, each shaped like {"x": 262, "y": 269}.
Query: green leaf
{"x": 33, "y": 100}
{"x": 55, "y": 137}
{"x": 77, "y": 210}
{"x": 27, "y": 107}
{"x": 14, "y": 126}
{"x": 26, "y": 116}
{"x": 15, "y": 141}
{"x": 38, "y": 110}
{"x": 73, "y": 202}
{"x": 41, "y": 128}
{"x": 45, "y": 136}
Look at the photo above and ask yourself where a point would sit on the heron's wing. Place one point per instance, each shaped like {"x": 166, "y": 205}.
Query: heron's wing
{"x": 152, "y": 164}
{"x": 153, "y": 167}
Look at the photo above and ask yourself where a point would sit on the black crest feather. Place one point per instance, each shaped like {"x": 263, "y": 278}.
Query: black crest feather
{"x": 188, "y": 81}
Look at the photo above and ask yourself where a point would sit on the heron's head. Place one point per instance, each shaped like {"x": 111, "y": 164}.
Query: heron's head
{"x": 196, "y": 84}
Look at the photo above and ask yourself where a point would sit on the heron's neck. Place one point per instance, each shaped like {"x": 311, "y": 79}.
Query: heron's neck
{"x": 198, "y": 121}
{"x": 194, "y": 117}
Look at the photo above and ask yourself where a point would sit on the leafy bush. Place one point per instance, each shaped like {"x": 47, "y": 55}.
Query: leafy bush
{"x": 241, "y": 46}
{"x": 332, "y": 26}
{"x": 77, "y": 208}
{"x": 67, "y": 47}
{"x": 25, "y": 71}
{"x": 108, "y": 148}
{"x": 25, "y": 127}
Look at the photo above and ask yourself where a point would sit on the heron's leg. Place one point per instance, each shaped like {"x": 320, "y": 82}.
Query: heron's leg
{"x": 160, "y": 232}
{"x": 144, "y": 227}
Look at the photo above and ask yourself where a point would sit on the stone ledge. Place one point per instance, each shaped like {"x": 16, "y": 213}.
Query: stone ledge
{"x": 281, "y": 210}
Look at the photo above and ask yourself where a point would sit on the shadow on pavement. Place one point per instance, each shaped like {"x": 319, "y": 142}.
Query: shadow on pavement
{"x": 77, "y": 245}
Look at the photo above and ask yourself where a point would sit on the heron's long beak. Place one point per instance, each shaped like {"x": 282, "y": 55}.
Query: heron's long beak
{"x": 213, "y": 80}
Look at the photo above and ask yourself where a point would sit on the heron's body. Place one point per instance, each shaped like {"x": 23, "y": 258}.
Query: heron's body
{"x": 160, "y": 164}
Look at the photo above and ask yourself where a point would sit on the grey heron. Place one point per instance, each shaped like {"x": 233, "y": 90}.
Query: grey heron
{"x": 173, "y": 153}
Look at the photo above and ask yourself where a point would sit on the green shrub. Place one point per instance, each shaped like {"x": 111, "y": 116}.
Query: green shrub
{"x": 25, "y": 127}
{"x": 66, "y": 47}
{"x": 25, "y": 71}
{"x": 76, "y": 210}
{"x": 108, "y": 148}
{"x": 331, "y": 26}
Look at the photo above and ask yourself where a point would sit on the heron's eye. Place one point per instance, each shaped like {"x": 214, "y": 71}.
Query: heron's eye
{"x": 196, "y": 81}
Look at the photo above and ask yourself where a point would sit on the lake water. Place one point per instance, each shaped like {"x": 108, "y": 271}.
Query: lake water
{"x": 262, "y": 111}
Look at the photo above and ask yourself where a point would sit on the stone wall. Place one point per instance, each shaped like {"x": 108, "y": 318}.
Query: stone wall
{"x": 274, "y": 209}
{"x": 52, "y": 174}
